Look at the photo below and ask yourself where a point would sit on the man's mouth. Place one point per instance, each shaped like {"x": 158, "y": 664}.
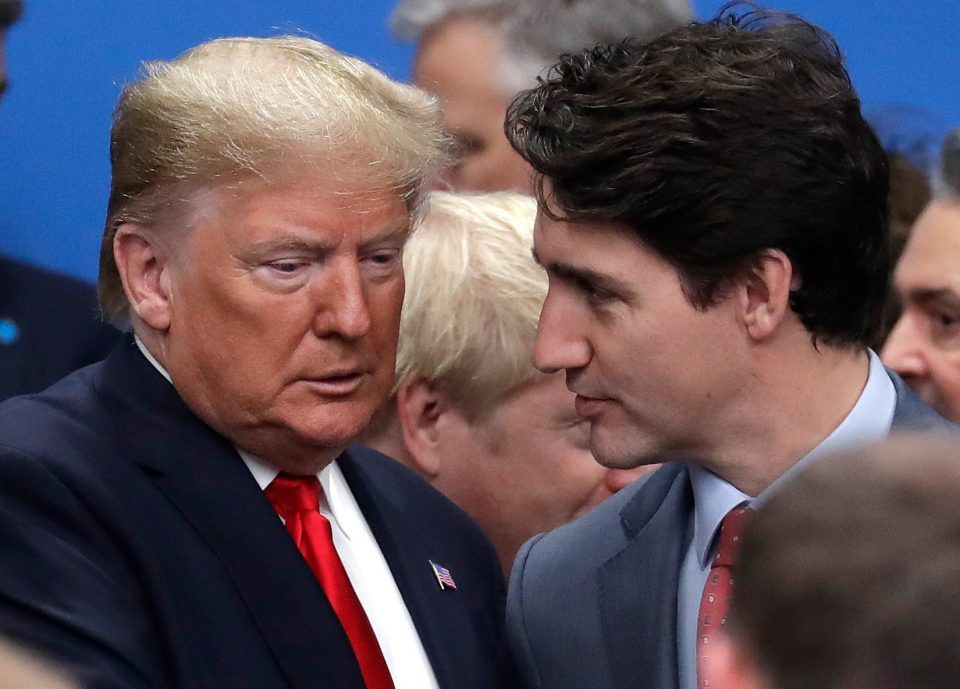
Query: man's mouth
{"x": 588, "y": 406}
{"x": 336, "y": 384}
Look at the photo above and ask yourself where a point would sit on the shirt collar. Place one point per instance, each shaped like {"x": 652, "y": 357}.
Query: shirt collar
{"x": 335, "y": 488}
{"x": 869, "y": 420}
{"x": 153, "y": 362}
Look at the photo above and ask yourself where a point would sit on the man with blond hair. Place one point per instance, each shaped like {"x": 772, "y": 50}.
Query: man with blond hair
{"x": 470, "y": 413}
{"x": 262, "y": 193}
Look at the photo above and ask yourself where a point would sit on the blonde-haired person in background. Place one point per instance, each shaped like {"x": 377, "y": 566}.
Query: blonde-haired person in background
{"x": 470, "y": 412}
{"x": 263, "y": 190}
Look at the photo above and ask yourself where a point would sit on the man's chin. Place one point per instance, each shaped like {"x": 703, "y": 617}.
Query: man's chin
{"x": 615, "y": 451}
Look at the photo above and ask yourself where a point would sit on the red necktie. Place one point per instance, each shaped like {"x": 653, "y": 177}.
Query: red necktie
{"x": 297, "y": 500}
{"x": 716, "y": 594}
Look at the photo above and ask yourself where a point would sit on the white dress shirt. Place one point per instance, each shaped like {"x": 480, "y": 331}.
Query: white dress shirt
{"x": 365, "y": 566}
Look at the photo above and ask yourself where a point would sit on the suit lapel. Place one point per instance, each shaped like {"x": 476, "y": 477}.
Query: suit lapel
{"x": 638, "y": 585}
{"x": 205, "y": 479}
{"x": 436, "y": 614}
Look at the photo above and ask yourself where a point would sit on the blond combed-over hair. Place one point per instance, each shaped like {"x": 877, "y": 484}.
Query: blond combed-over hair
{"x": 261, "y": 107}
{"x": 473, "y": 298}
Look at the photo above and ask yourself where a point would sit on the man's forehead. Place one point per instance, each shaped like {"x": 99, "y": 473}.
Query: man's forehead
{"x": 299, "y": 210}
{"x": 553, "y": 225}
{"x": 930, "y": 264}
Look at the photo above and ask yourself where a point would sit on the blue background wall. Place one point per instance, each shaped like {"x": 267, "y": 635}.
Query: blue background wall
{"x": 67, "y": 61}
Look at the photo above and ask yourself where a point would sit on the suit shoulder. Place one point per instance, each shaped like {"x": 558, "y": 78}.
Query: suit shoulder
{"x": 57, "y": 327}
{"x": 59, "y": 422}
{"x": 593, "y": 538}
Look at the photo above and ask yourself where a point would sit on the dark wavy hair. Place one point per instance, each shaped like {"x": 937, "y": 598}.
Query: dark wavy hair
{"x": 715, "y": 142}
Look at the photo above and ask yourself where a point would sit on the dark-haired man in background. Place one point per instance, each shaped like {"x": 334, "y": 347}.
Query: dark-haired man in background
{"x": 924, "y": 345}
{"x": 713, "y": 225}
{"x": 48, "y": 322}
{"x": 10, "y": 11}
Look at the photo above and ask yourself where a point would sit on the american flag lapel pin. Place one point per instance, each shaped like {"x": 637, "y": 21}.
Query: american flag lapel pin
{"x": 444, "y": 578}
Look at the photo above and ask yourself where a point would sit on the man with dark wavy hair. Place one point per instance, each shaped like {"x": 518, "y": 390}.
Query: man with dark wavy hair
{"x": 713, "y": 225}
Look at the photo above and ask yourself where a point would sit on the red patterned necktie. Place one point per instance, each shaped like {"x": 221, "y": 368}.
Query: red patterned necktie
{"x": 297, "y": 500}
{"x": 716, "y": 594}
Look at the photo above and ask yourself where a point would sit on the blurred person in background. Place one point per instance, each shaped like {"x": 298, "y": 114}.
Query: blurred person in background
{"x": 49, "y": 323}
{"x": 847, "y": 577}
{"x": 924, "y": 344}
{"x": 476, "y": 54}
{"x": 470, "y": 413}
{"x": 22, "y": 670}
{"x": 10, "y": 12}
{"x": 909, "y": 195}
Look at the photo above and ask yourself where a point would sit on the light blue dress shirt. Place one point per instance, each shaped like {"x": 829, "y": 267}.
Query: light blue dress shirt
{"x": 868, "y": 421}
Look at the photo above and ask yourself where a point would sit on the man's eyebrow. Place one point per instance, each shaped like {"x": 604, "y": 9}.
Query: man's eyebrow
{"x": 397, "y": 231}
{"x": 586, "y": 276}
{"x": 313, "y": 245}
{"x": 943, "y": 296}
{"x": 320, "y": 244}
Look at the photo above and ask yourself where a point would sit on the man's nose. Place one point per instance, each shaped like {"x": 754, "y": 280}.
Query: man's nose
{"x": 560, "y": 343}
{"x": 342, "y": 306}
{"x": 905, "y": 348}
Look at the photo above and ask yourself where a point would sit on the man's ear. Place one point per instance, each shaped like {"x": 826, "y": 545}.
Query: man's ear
{"x": 764, "y": 294}
{"x": 145, "y": 275}
{"x": 422, "y": 410}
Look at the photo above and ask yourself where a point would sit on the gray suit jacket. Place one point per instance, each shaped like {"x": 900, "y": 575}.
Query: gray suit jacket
{"x": 593, "y": 604}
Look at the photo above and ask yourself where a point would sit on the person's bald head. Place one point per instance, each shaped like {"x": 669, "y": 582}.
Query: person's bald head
{"x": 847, "y": 576}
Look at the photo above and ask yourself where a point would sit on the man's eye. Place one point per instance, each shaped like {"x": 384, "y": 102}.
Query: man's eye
{"x": 945, "y": 320}
{"x": 385, "y": 258}
{"x": 595, "y": 294}
{"x": 287, "y": 266}
{"x": 944, "y": 328}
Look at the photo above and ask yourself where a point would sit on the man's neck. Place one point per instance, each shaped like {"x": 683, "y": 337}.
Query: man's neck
{"x": 281, "y": 449}
{"x": 792, "y": 405}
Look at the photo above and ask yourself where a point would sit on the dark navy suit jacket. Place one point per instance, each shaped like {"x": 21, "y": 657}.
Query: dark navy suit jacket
{"x": 593, "y": 604}
{"x": 138, "y": 550}
{"x": 48, "y": 327}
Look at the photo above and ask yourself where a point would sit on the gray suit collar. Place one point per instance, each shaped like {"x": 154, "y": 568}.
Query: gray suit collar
{"x": 640, "y": 623}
